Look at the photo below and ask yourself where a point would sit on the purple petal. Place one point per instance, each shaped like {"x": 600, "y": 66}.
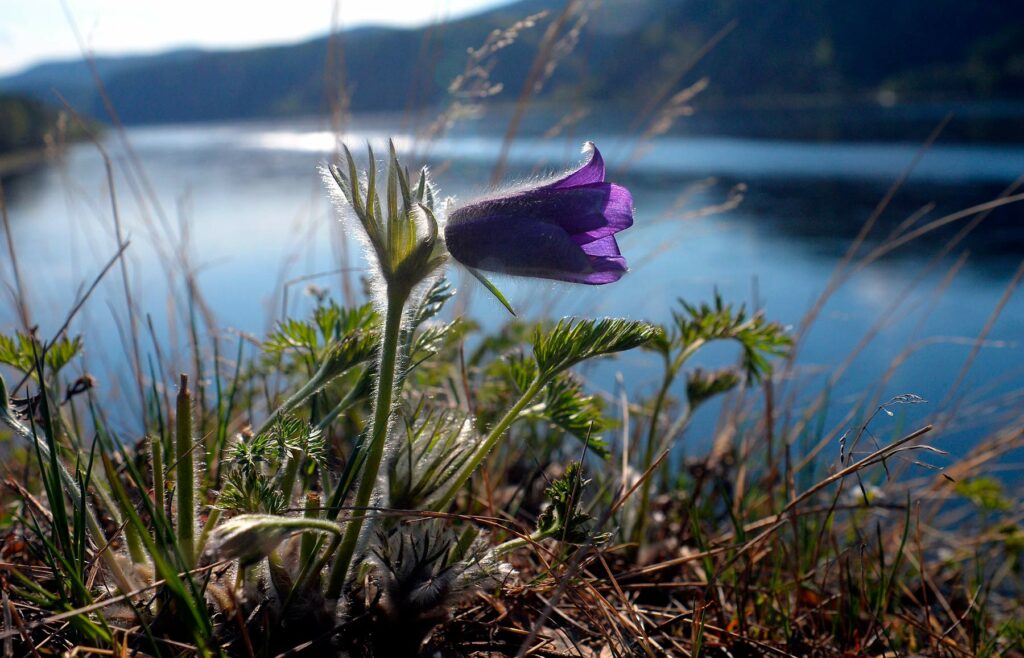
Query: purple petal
{"x": 605, "y": 270}
{"x": 602, "y": 277}
{"x": 606, "y": 247}
{"x": 591, "y": 172}
{"x": 523, "y": 247}
{"x": 577, "y": 210}
{"x": 616, "y": 215}
{"x": 563, "y": 230}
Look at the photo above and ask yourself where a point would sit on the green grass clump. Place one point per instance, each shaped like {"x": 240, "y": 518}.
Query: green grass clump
{"x": 121, "y": 542}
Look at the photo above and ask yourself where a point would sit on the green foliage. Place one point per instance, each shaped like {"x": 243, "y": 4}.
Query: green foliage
{"x": 490, "y": 287}
{"x": 986, "y": 492}
{"x": 566, "y": 406}
{"x": 571, "y": 341}
{"x": 433, "y": 302}
{"x": 1012, "y": 536}
{"x": 24, "y": 123}
{"x": 253, "y": 483}
{"x": 431, "y": 340}
{"x": 564, "y": 517}
{"x": 435, "y": 446}
{"x": 350, "y": 351}
{"x": 336, "y": 322}
{"x": 701, "y": 386}
{"x": 496, "y": 399}
{"x": 693, "y": 327}
{"x": 251, "y": 494}
{"x": 759, "y": 339}
{"x": 5, "y": 399}
{"x": 423, "y": 337}
{"x": 562, "y": 404}
{"x": 507, "y": 339}
{"x": 293, "y": 334}
{"x": 521, "y": 369}
{"x": 21, "y": 350}
{"x": 494, "y": 405}
{"x": 331, "y": 332}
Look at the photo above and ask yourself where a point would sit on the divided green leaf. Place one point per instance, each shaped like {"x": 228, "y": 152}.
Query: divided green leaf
{"x": 571, "y": 341}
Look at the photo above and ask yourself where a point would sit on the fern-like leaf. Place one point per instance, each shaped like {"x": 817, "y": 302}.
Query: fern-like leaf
{"x": 571, "y": 341}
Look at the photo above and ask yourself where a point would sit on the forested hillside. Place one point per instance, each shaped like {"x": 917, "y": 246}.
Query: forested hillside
{"x": 627, "y": 49}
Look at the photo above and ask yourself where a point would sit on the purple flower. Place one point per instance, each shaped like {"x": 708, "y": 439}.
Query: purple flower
{"x": 562, "y": 230}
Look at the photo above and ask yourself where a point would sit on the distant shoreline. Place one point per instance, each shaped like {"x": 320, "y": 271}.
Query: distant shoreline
{"x": 20, "y": 160}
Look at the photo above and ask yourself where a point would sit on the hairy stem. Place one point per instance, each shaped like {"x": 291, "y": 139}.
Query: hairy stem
{"x": 504, "y": 549}
{"x": 134, "y": 541}
{"x": 492, "y": 439}
{"x": 353, "y": 395}
{"x": 378, "y": 438}
{"x": 204, "y": 535}
{"x": 640, "y": 526}
{"x": 291, "y": 471}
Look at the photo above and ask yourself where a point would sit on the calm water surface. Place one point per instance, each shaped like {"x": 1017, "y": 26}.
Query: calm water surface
{"x": 249, "y": 201}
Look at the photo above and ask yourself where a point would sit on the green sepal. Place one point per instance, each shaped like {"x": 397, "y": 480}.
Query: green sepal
{"x": 493, "y": 289}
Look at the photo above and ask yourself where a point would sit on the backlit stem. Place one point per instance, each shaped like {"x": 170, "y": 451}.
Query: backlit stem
{"x": 378, "y": 438}
{"x": 671, "y": 371}
{"x": 492, "y": 439}
{"x": 537, "y": 536}
{"x": 211, "y": 523}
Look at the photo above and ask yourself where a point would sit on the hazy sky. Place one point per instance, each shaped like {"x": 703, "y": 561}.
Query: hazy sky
{"x": 33, "y": 30}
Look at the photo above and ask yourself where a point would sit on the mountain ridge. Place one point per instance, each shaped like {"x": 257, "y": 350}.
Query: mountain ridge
{"x": 627, "y": 51}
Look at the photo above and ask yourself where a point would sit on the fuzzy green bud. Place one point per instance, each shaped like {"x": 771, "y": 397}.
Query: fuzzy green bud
{"x": 399, "y": 224}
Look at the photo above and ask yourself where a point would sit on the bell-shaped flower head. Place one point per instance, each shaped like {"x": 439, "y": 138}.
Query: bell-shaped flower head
{"x": 563, "y": 230}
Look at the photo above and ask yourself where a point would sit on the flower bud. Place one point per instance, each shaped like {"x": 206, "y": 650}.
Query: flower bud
{"x": 251, "y": 537}
{"x": 400, "y": 229}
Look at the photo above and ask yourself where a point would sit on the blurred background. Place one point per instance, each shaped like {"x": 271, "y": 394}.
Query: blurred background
{"x": 851, "y": 168}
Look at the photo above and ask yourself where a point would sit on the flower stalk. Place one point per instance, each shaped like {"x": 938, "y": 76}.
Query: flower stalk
{"x": 211, "y": 522}
{"x": 492, "y": 439}
{"x": 537, "y": 536}
{"x": 378, "y": 438}
{"x": 568, "y": 343}
{"x": 672, "y": 368}
{"x": 291, "y": 471}
{"x": 404, "y": 246}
